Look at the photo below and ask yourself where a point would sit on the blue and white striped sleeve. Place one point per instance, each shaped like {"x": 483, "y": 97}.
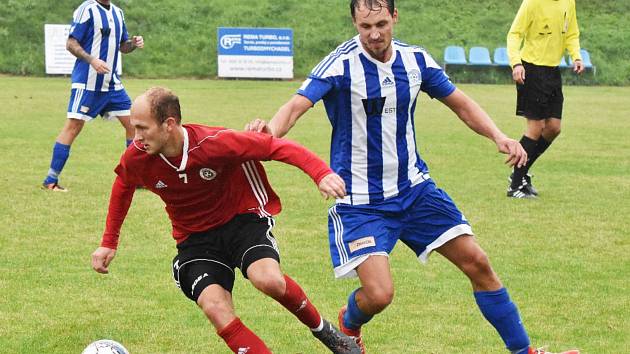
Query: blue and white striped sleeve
{"x": 326, "y": 75}
{"x": 435, "y": 82}
{"x": 315, "y": 88}
{"x": 81, "y": 22}
{"x": 322, "y": 81}
{"x": 125, "y": 35}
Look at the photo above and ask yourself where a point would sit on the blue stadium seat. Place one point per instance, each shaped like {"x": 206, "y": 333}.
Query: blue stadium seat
{"x": 479, "y": 56}
{"x": 454, "y": 55}
{"x": 563, "y": 63}
{"x": 586, "y": 59}
{"x": 501, "y": 57}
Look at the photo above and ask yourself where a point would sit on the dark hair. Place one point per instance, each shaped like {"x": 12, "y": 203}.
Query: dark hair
{"x": 373, "y": 5}
{"x": 164, "y": 103}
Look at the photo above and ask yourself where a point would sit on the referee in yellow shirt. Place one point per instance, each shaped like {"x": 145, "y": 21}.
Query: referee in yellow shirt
{"x": 545, "y": 29}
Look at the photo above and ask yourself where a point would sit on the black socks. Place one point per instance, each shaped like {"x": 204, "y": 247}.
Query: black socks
{"x": 534, "y": 149}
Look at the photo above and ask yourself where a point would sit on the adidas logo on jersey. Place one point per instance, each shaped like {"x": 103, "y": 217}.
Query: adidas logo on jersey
{"x": 160, "y": 185}
{"x": 387, "y": 82}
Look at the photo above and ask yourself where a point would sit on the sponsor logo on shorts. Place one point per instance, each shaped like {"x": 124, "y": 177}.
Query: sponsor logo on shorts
{"x": 84, "y": 109}
{"x": 192, "y": 290}
{"x": 362, "y": 243}
{"x": 207, "y": 173}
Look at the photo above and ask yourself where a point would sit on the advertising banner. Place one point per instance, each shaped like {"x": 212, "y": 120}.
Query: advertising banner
{"x": 58, "y": 59}
{"x": 255, "y": 52}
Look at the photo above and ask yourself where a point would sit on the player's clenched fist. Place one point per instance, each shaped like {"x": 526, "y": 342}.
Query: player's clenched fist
{"x": 137, "y": 41}
{"x": 101, "y": 259}
{"x": 332, "y": 186}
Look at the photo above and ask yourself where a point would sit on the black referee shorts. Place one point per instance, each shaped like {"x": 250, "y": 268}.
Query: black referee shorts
{"x": 540, "y": 97}
{"x": 210, "y": 257}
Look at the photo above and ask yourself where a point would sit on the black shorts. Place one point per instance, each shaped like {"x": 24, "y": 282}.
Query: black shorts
{"x": 210, "y": 257}
{"x": 540, "y": 97}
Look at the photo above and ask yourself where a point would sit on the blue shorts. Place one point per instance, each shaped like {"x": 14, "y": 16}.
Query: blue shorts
{"x": 86, "y": 105}
{"x": 424, "y": 218}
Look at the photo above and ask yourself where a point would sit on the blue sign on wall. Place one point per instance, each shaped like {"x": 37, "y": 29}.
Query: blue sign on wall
{"x": 255, "y": 41}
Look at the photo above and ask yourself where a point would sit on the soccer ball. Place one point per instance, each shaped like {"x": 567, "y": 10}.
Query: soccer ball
{"x": 105, "y": 346}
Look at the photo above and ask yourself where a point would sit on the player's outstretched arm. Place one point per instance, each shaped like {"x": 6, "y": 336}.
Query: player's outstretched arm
{"x": 101, "y": 258}
{"x": 245, "y": 146}
{"x": 284, "y": 119}
{"x": 478, "y": 120}
{"x": 119, "y": 203}
{"x": 332, "y": 186}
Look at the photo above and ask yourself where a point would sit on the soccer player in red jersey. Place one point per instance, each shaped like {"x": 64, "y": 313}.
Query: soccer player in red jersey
{"x": 220, "y": 205}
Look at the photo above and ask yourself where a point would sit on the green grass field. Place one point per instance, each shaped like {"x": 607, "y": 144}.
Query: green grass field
{"x": 564, "y": 257}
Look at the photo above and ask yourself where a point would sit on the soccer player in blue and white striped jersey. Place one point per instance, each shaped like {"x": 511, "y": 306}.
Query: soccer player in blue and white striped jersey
{"x": 369, "y": 86}
{"x": 97, "y": 37}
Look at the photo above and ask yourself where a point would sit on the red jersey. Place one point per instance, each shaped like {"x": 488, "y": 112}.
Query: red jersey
{"x": 217, "y": 176}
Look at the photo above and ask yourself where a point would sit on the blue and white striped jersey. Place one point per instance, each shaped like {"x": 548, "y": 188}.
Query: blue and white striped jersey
{"x": 100, "y": 32}
{"x": 371, "y": 105}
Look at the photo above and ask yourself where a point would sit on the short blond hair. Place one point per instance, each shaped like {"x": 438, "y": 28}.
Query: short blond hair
{"x": 164, "y": 103}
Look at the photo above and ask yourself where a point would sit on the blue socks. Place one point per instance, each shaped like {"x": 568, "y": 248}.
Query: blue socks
{"x": 60, "y": 155}
{"x": 495, "y": 306}
{"x": 501, "y": 312}
{"x": 354, "y": 318}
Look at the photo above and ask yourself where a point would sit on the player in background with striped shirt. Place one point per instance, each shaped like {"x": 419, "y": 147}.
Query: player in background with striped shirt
{"x": 220, "y": 205}
{"x": 369, "y": 86}
{"x": 545, "y": 29}
{"x": 97, "y": 37}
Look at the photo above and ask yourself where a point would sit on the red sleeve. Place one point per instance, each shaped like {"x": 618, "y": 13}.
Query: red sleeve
{"x": 297, "y": 155}
{"x": 119, "y": 203}
{"x": 247, "y": 146}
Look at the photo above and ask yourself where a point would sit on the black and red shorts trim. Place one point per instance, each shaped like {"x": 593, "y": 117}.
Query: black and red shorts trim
{"x": 210, "y": 257}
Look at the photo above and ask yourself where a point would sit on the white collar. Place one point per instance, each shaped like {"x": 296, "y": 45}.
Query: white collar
{"x": 182, "y": 165}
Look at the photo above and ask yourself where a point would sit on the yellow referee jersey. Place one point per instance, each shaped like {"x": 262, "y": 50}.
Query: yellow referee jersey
{"x": 547, "y": 28}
